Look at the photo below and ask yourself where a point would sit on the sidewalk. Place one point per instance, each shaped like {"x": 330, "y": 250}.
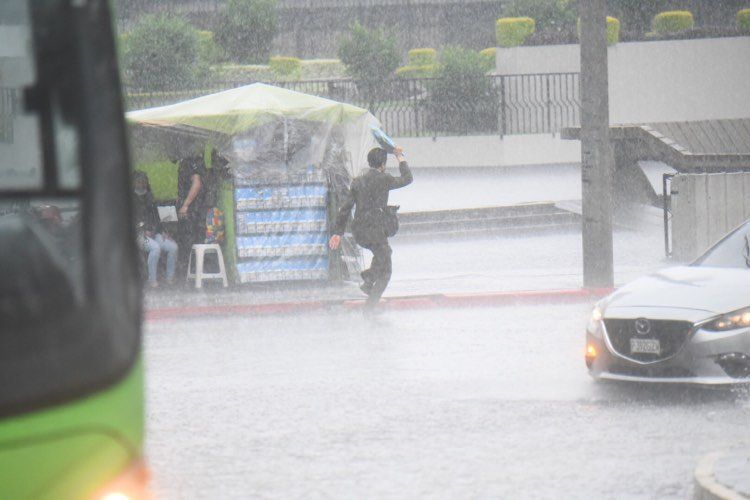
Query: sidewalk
{"x": 723, "y": 476}
{"x": 494, "y": 269}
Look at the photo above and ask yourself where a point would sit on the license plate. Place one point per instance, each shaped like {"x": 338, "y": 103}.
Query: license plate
{"x": 645, "y": 346}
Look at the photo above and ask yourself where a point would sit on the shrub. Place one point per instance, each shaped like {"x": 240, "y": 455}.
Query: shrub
{"x": 743, "y": 20}
{"x": 249, "y": 73}
{"x": 424, "y": 71}
{"x": 488, "y": 55}
{"x": 247, "y": 29}
{"x": 210, "y": 53}
{"x": 613, "y": 30}
{"x": 462, "y": 99}
{"x": 512, "y": 31}
{"x": 672, "y": 21}
{"x": 551, "y": 16}
{"x": 421, "y": 57}
{"x": 288, "y": 68}
{"x": 163, "y": 53}
{"x": 369, "y": 56}
{"x": 319, "y": 69}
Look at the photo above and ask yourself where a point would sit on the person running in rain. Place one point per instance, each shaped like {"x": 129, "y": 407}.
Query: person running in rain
{"x": 369, "y": 192}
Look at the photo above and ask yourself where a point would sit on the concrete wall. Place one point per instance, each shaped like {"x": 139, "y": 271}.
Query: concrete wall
{"x": 704, "y": 208}
{"x": 676, "y": 80}
{"x": 489, "y": 151}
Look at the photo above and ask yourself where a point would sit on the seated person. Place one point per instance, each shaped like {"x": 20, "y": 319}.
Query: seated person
{"x": 152, "y": 238}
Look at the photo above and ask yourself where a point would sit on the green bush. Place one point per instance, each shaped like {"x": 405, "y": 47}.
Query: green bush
{"x": 743, "y": 20}
{"x": 613, "y": 30}
{"x": 247, "y": 29}
{"x": 462, "y": 99}
{"x": 488, "y": 55}
{"x": 421, "y": 57}
{"x": 512, "y": 31}
{"x": 424, "y": 71}
{"x": 672, "y": 21}
{"x": 210, "y": 52}
{"x": 286, "y": 68}
{"x": 320, "y": 69}
{"x": 550, "y": 16}
{"x": 369, "y": 56}
{"x": 163, "y": 52}
{"x": 249, "y": 73}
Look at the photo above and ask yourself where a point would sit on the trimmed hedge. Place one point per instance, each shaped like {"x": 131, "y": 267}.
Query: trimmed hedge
{"x": 423, "y": 71}
{"x": 244, "y": 73}
{"x": 488, "y": 55}
{"x": 421, "y": 57}
{"x": 743, "y": 20}
{"x": 285, "y": 67}
{"x": 319, "y": 69}
{"x": 512, "y": 31}
{"x": 613, "y": 30}
{"x": 673, "y": 21}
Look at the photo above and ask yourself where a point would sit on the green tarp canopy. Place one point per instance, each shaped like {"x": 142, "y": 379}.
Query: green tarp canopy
{"x": 237, "y": 110}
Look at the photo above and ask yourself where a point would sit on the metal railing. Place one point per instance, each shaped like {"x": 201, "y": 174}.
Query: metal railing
{"x": 506, "y": 105}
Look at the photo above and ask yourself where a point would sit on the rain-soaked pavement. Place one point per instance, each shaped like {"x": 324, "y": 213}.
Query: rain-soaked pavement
{"x": 461, "y": 403}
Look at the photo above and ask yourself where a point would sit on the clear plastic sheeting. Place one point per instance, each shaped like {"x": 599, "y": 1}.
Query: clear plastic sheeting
{"x": 292, "y": 158}
{"x": 262, "y": 129}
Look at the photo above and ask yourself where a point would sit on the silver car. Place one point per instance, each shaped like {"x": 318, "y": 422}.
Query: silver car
{"x": 687, "y": 324}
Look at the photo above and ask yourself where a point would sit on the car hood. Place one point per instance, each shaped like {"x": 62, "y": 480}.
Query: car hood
{"x": 710, "y": 289}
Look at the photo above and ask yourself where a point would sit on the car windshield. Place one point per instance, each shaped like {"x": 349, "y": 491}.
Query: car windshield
{"x": 731, "y": 251}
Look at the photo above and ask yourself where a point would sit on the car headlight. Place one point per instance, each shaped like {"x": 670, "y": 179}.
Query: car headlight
{"x": 730, "y": 321}
{"x": 594, "y": 326}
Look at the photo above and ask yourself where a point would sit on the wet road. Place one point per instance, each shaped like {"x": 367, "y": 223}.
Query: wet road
{"x": 491, "y": 402}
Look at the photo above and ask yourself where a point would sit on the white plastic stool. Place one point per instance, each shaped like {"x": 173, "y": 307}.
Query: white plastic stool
{"x": 200, "y": 250}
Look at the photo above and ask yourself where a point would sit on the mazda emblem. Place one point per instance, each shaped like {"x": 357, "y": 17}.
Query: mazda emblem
{"x": 642, "y": 326}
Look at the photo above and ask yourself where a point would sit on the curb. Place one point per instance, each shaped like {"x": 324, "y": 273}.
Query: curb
{"x": 706, "y": 485}
{"x": 528, "y": 297}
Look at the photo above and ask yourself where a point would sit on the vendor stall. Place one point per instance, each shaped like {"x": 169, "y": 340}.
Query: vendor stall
{"x": 291, "y": 160}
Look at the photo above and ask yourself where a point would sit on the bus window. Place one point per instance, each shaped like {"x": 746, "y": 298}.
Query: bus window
{"x": 69, "y": 305}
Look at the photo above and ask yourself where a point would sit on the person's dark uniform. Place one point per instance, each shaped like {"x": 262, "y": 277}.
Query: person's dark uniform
{"x": 193, "y": 227}
{"x": 369, "y": 192}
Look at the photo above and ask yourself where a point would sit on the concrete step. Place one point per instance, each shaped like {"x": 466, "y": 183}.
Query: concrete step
{"x": 492, "y": 219}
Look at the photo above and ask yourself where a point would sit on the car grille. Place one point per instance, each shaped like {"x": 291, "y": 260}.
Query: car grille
{"x": 672, "y": 335}
{"x": 650, "y": 371}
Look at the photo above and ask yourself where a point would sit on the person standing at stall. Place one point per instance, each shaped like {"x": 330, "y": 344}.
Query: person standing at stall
{"x": 191, "y": 176}
{"x": 369, "y": 192}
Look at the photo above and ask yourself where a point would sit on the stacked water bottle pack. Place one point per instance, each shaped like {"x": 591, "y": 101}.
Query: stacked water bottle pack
{"x": 283, "y": 270}
{"x": 281, "y": 221}
{"x": 282, "y": 229}
{"x": 283, "y": 245}
{"x": 303, "y": 196}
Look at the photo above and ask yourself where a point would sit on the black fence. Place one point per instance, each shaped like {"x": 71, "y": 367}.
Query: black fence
{"x": 503, "y": 105}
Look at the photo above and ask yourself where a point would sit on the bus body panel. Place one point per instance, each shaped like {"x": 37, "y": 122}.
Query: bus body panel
{"x": 71, "y": 451}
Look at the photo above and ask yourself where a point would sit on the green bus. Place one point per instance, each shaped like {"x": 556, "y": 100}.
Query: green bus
{"x": 71, "y": 376}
